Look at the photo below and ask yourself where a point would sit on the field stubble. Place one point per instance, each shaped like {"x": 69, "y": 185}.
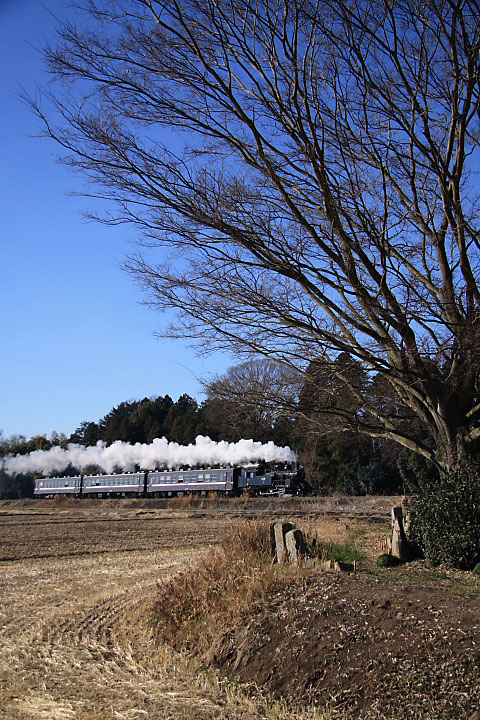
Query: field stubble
{"x": 75, "y": 642}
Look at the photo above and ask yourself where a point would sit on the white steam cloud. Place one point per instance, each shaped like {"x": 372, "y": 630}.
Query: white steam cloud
{"x": 159, "y": 453}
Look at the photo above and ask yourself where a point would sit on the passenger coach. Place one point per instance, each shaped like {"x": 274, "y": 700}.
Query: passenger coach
{"x": 58, "y": 486}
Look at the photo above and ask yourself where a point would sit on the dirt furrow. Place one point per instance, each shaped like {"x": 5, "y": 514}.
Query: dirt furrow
{"x": 76, "y": 641}
{"x": 61, "y": 655}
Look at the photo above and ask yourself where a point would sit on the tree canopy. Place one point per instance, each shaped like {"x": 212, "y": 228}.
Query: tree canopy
{"x": 312, "y": 167}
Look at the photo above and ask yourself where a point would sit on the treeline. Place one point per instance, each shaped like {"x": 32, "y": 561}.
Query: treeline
{"x": 263, "y": 401}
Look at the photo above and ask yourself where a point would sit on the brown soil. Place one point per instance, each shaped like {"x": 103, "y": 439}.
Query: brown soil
{"x": 364, "y": 648}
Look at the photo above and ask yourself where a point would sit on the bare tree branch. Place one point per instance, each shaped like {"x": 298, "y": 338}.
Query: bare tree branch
{"x": 311, "y": 166}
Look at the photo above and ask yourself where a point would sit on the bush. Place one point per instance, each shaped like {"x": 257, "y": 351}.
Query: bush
{"x": 445, "y": 518}
{"x": 387, "y": 560}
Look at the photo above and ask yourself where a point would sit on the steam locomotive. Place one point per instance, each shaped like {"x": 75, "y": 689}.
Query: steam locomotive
{"x": 228, "y": 481}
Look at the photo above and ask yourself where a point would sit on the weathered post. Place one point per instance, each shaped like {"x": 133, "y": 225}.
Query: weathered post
{"x": 400, "y": 544}
{"x": 295, "y": 545}
{"x": 278, "y": 530}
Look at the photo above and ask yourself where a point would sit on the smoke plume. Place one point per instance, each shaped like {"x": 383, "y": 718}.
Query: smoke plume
{"x": 160, "y": 453}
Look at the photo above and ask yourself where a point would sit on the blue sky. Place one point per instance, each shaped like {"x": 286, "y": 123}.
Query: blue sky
{"x": 75, "y": 339}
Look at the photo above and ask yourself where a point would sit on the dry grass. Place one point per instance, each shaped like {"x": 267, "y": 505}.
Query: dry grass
{"x": 189, "y": 502}
{"x": 196, "y": 607}
{"x": 336, "y": 503}
{"x": 74, "y": 641}
{"x": 212, "y": 501}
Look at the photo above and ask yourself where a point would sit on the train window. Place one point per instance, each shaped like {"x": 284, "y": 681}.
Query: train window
{"x": 200, "y": 477}
{"x": 207, "y": 476}
{"x": 214, "y": 476}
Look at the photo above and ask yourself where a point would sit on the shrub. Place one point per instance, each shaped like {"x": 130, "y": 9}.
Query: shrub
{"x": 445, "y": 518}
{"x": 387, "y": 560}
{"x": 476, "y": 569}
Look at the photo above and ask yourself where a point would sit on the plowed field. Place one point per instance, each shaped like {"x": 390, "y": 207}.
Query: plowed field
{"x": 70, "y": 586}
{"x": 77, "y": 643}
{"x": 74, "y": 639}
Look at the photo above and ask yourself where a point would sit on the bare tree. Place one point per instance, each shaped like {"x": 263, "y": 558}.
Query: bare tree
{"x": 311, "y": 164}
{"x": 249, "y": 399}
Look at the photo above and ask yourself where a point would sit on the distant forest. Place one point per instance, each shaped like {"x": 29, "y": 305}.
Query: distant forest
{"x": 245, "y": 404}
